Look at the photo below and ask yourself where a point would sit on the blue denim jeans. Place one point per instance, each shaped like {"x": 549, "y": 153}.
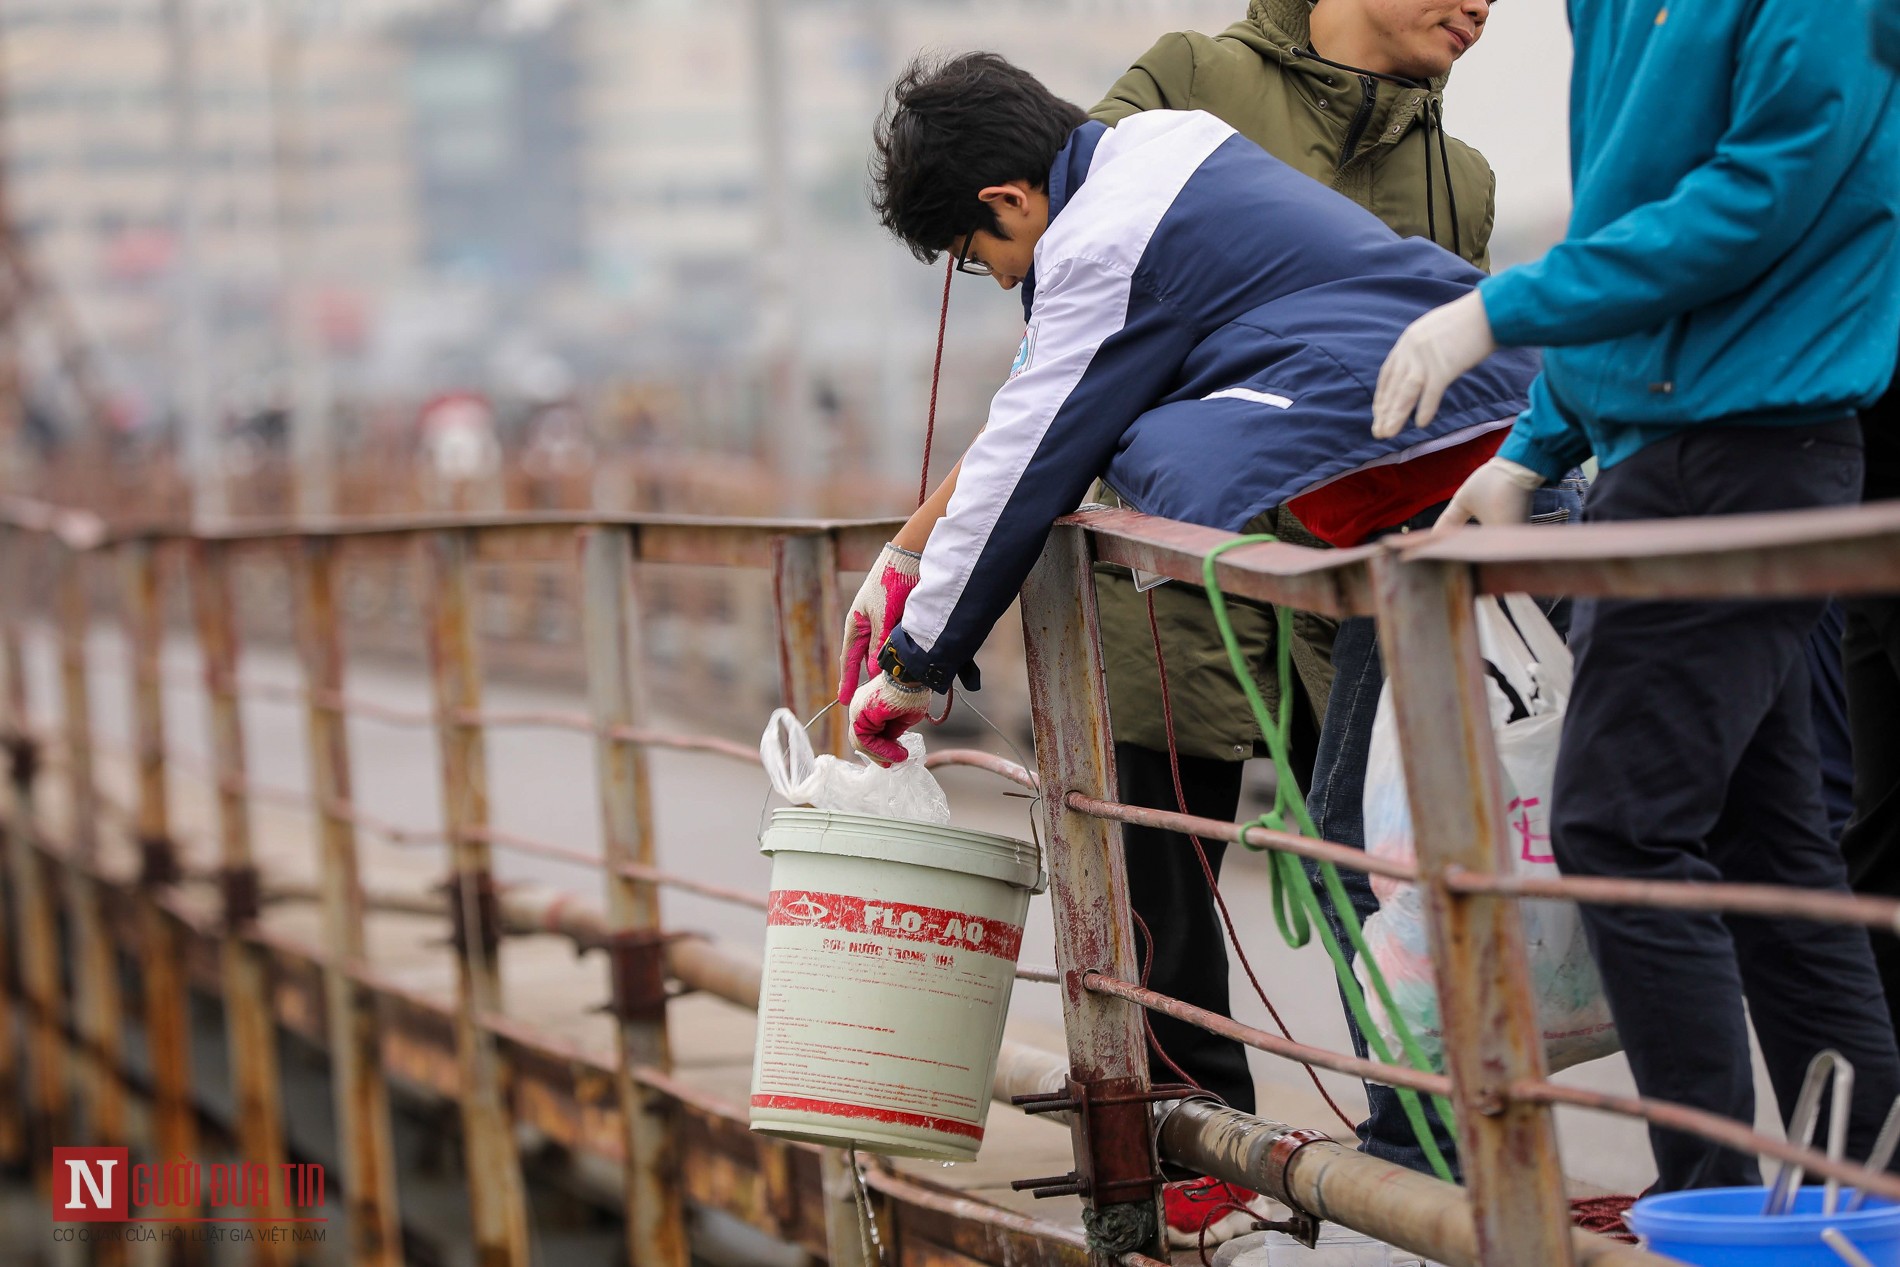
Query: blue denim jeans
{"x": 1335, "y": 802}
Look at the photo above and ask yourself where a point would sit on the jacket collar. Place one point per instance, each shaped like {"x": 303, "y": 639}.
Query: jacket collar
{"x": 1066, "y": 175}
{"x": 1288, "y": 26}
{"x": 1282, "y": 30}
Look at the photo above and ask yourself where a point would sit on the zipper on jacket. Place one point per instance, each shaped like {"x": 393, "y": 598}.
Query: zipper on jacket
{"x": 1357, "y": 130}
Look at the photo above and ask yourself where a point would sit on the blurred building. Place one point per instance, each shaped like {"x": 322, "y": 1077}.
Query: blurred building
{"x": 499, "y": 183}
{"x": 492, "y": 117}
{"x": 92, "y": 175}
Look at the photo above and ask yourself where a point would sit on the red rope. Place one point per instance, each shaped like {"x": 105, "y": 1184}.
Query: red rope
{"x": 936, "y": 377}
{"x": 1200, "y": 852}
{"x": 930, "y": 439}
{"x": 1604, "y": 1216}
{"x": 1147, "y": 1017}
{"x": 1216, "y": 1213}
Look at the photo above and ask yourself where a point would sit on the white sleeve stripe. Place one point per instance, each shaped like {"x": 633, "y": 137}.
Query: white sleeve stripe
{"x": 1020, "y": 417}
{"x": 1085, "y": 264}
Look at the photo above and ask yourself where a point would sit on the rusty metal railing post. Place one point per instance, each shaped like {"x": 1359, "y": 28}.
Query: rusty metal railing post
{"x": 610, "y": 624}
{"x": 13, "y": 1145}
{"x": 17, "y": 950}
{"x": 99, "y": 1007}
{"x": 49, "y": 1110}
{"x": 365, "y": 1135}
{"x": 497, "y": 1199}
{"x": 1508, "y": 1150}
{"x": 806, "y": 613}
{"x": 250, "y": 1027}
{"x": 162, "y": 940}
{"x": 1114, "y": 1143}
{"x": 805, "y": 602}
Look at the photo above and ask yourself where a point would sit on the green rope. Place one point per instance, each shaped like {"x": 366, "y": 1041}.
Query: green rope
{"x": 1296, "y": 908}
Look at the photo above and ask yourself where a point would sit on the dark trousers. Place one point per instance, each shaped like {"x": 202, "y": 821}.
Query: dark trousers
{"x": 1689, "y": 754}
{"x": 1870, "y": 651}
{"x": 1169, "y": 895}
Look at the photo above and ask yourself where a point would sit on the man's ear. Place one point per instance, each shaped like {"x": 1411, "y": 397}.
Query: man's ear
{"x": 1012, "y": 194}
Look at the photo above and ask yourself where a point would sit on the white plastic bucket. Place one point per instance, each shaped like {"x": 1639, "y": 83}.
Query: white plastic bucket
{"x": 890, "y": 951}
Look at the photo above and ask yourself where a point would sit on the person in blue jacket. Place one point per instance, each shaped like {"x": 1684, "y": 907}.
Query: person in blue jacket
{"x": 1726, "y": 297}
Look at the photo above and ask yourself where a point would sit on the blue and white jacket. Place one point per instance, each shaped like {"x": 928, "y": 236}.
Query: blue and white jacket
{"x": 1206, "y": 326}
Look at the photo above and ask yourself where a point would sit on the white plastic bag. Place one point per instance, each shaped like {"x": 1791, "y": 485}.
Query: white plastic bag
{"x": 1532, "y": 661}
{"x": 905, "y": 790}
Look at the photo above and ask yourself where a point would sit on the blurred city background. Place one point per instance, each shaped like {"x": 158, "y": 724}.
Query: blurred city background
{"x": 351, "y": 257}
{"x": 379, "y": 255}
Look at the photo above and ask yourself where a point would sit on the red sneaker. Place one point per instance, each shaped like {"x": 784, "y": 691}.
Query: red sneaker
{"x": 1207, "y": 1212}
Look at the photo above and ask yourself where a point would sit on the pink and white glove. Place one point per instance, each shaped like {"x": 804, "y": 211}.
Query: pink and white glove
{"x": 881, "y": 712}
{"x": 878, "y": 609}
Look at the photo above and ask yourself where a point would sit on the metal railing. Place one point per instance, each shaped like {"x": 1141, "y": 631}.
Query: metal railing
{"x": 676, "y": 1146}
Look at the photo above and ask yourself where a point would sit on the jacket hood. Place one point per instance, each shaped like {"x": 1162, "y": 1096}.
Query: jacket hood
{"x": 1284, "y": 29}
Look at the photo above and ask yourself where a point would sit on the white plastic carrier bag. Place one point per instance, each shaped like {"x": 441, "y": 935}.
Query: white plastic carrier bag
{"x": 1528, "y": 686}
{"x": 906, "y": 790}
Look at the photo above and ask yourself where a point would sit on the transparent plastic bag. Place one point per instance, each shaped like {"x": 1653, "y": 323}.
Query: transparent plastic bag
{"x": 1527, "y": 655}
{"x": 906, "y": 790}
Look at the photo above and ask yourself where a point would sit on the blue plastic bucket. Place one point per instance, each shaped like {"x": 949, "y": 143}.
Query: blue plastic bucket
{"x": 1724, "y": 1227}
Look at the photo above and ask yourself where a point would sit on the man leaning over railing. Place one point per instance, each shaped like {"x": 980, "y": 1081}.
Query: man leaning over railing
{"x": 1205, "y": 383}
{"x": 1348, "y": 92}
{"x": 1727, "y": 296}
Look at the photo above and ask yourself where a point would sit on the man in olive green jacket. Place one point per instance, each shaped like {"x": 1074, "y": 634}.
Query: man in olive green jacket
{"x": 1346, "y": 91}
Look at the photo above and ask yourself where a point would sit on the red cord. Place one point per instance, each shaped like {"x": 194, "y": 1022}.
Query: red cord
{"x": 1200, "y": 852}
{"x": 936, "y": 377}
{"x": 1215, "y": 1214}
{"x": 1604, "y": 1216}
{"x": 1147, "y": 1017}
{"x": 930, "y": 439}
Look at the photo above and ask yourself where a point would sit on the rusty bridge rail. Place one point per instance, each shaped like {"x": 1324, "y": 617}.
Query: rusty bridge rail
{"x": 673, "y": 1145}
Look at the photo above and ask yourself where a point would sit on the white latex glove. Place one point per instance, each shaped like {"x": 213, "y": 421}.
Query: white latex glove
{"x": 878, "y": 609}
{"x": 1432, "y": 353}
{"x": 1499, "y": 492}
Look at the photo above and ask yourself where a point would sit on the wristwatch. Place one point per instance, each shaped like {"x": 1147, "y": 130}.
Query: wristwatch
{"x": 938, "y": 679}
{"x": 887, "y": 660}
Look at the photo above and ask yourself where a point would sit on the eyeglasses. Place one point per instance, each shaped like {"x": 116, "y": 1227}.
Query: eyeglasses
{"x": 975, "y": 268}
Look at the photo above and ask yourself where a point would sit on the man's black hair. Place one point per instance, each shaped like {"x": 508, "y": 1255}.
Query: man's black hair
{"x": 951, "y": 128}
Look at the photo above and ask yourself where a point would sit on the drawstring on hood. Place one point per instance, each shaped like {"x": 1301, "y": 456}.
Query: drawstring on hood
{"x": 1431, "y": 117}
{"x": 1435, "y": 116}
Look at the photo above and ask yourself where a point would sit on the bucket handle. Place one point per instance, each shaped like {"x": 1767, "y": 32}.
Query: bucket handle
{"x": 1884, "y": 1144}
{"x": 1035, "y": 835}
{"x": 1801, "y": 1123}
